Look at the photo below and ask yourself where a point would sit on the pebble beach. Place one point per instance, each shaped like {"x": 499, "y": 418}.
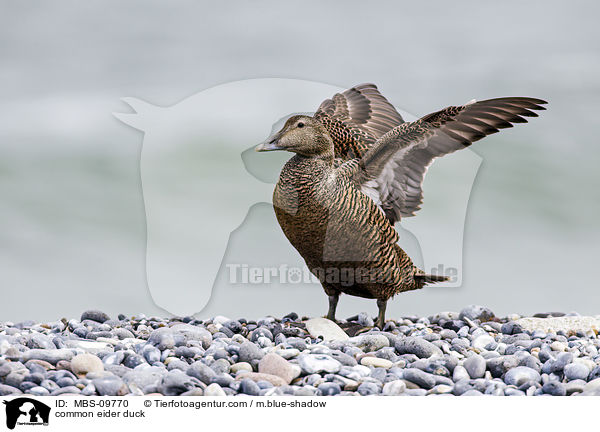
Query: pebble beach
{"x": 466, "y": 353}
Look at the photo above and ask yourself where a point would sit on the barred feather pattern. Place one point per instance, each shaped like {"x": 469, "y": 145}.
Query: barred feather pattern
{"x": 336, "y": 228}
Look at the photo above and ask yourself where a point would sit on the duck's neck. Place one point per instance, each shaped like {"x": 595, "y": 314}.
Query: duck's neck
{"x": 325, "y": 159}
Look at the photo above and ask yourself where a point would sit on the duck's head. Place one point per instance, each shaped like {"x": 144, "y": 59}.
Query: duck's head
{"x": 302, "y": 135}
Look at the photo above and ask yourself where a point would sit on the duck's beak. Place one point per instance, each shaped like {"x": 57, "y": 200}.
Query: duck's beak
{"x": 271, "y": 144}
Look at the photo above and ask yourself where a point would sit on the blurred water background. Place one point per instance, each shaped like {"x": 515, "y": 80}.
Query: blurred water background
{"x": 72, "y": 217}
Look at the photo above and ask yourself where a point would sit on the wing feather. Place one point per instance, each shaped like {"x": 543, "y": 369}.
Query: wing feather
{"x": 393, "y": 169}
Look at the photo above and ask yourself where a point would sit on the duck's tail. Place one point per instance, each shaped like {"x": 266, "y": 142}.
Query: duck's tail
{"x": 422, "y": 279}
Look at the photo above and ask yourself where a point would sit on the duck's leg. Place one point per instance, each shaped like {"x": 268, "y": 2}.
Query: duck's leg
{"x": 381, "y": 304}
{"x": 333, "y": 301}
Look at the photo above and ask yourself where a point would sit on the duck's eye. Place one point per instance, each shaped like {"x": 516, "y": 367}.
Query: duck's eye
{"x": 300, "y": 125}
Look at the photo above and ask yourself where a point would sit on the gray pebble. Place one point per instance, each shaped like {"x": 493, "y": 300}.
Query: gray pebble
{"x": 576, "y": 371}
{"x": 202, "y": 372}
{"x": 418, "y": 377}
{"x": 318, "y": 363}
{"x": 249, "y": 352}
{"x": 109, "y": 386}
{"x": 249, "y": 387}
{"x": 554, "y": 388}
{"x": 521, "y": 375}
{"x": 475, "y": 366}
{"x": 475, "y": 312}
{"x": 94, "y": 315}
{"x": 328, "y": 389}
{"x": 368, "y": 389}
{"x": 417, "y": 346}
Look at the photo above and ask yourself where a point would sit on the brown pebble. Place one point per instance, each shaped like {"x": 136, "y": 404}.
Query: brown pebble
{"x": 257, "y": 376}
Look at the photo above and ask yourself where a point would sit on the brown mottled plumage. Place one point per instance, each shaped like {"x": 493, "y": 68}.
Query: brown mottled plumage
{"x": 359, "y": 168}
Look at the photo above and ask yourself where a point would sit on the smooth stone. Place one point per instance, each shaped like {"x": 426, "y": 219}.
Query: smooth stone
{"x": 370, "y": 342}
{"x": 276, "y": 365}
{"x": 474, "y": 312}
{"x": 475, "y": 366}
{"x": 214, "y": 389}
{"x": 415, "y": 392}
{"x": 521, "y": 375}
{"x": 38, "y": 391}
{"x": 150, "y": 353}
{"x": 472, "y": 392}
{"x": 82, "y": 364}
{"x": 4, "y": 346}
{"x": 326, "y": 329}
{"x": 175, "y": 383}
{"x": 92, "y": 347}
{"x": 418, "y": 377}
{"x": 249, "y": 352}
{"x": 249, "y": 387}
{"x": 575, "y": 386}
{"x": 144, "y": 377}
{"x": 305, "y": 391}
{"x": 344, "y": 358}
{"x": 133, "y": 360}
{"x": 460, "y": 373}
{"x": 221, "y": 366}
{"x": 240, "y": 366}
{"x": 481, "y": 342}
{"x": 202, "y": 372}
{"x": 346, "y": 383}
{"x": 193, "y": 392}
{"x": 376, "y": 362}
{"x": 368, "y": 389}
{"x": 318, "y": 363}
{"x": 66, "y": 390}
{"x": 257, "y": 376}
{"x": 110, "y": 386}
{"x": 394, "y": 388}
{"x": 94, "y": 315}
{"x": 418, "y": 346}
{"x": 511, "y": 328}
{"x": 441, "y": 389}
{"x": 365, "y": 320}
{"x": 40, "y": 341}
{"x": 122, "y": 333}
{"x": 509, "y": 391}
{"x": 448, "y": 334}
{"x": 562, "y": 360}
{"x": 166, "y": 338}
{"x": 575, "y": 371}
{"x": 51, "y": 356}
{"x": 6, "y": 390}
{"x": 328, "y": 389}
{"x": 592, "y": 386}
{"x": 114, "y": 358}
{"x": 89, "y": 390}
{"x": 498, "y": 366}
{"x": 194, "y": 333}
{"x": 554, "y": 388}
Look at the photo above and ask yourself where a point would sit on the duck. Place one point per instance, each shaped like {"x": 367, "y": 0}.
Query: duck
{"x": 357, "y": 169}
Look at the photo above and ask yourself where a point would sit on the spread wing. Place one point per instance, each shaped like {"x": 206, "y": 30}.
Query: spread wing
{"x": 356, "y": 118}
{"x": 392, "y": 171}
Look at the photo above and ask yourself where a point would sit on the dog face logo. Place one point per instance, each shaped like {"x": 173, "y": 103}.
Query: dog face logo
{"x": 26, "y": 411}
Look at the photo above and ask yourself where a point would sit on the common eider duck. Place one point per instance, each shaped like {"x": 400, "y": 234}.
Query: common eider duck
{"x": 358, "y": 168}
